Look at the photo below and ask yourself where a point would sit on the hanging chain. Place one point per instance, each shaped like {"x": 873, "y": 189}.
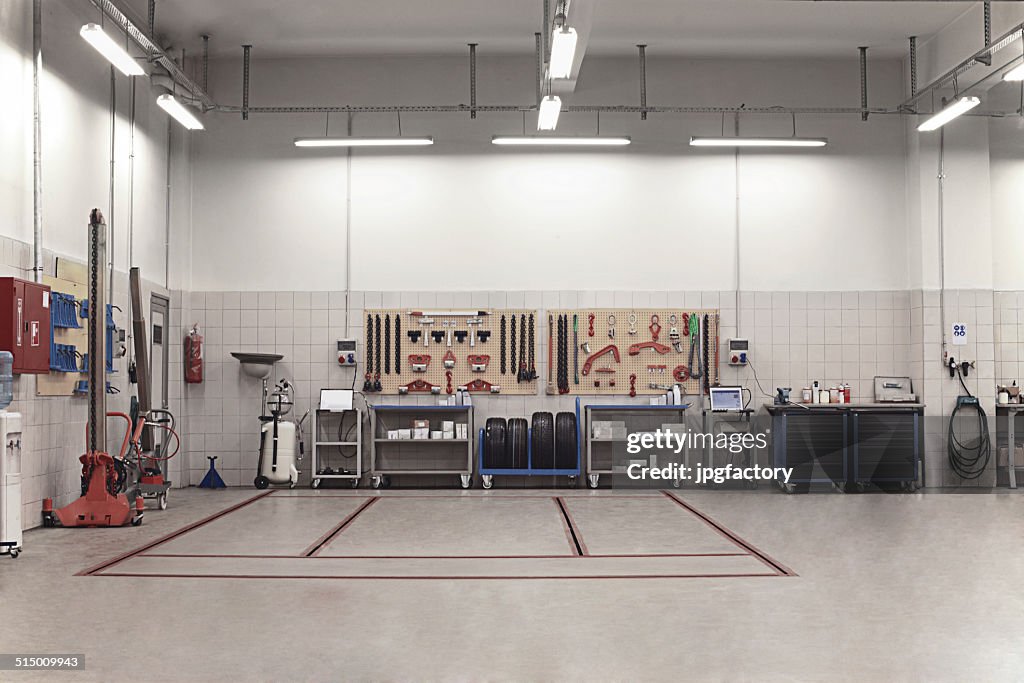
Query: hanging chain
{"x": 387, "y": 344}
{"x": 512, "y": 345}
{"x": 522, "y": 348}
{"x": 503, "y": 350}
{"x": 368, "y": 377}
{"x": 398, "y": 344}
{"x": 376, "y": 361}
{"x": 532, "y": 373}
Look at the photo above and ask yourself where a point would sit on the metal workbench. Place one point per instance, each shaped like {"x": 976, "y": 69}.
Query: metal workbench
{"x": 1011, "y": 412}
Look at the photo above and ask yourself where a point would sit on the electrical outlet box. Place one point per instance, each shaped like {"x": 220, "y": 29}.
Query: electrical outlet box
{"x": 347, "y": 352}
{"x": 737, "y": 350}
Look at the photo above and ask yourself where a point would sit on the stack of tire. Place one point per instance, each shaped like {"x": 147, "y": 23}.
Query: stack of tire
{"x": 553, "y": 442}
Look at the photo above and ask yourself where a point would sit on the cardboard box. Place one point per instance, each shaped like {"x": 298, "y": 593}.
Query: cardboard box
{"x": 421, "y": 433}
{"x": 404, "y": 434}
{"x": 421, "y": 424}
{"x": 436, "y": 435}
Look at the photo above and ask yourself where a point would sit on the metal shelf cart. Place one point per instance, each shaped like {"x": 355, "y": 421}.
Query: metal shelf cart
{"x": 729, "y": 422}
{"x": 488, "y": 473}
{"x": 419, "y": 456}
{"x": 320, "y": 469}
{"x": 600, "y": 451}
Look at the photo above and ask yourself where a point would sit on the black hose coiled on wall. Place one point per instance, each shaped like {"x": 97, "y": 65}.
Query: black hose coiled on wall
{"x": 969, "y": 461}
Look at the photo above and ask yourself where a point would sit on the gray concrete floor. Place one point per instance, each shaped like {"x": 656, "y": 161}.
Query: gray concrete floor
{"x": 889, "y": 587}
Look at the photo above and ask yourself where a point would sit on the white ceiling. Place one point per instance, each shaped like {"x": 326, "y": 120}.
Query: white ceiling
{"x": 712, "y": 28}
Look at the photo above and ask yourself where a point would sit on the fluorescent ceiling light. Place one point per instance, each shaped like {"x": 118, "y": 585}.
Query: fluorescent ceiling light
{"x": 1015, "y": 74}
{"x": 953, "y": 110}
{"x": 550, "y": 108}
{"x": 756, "y": 142}
{"x": 182, "y": 114}
{"x": 114, "y": 53}
{"x": 562, "y": 141}
{"x": 563, "y": 50}
{"x": 364, "y": 142}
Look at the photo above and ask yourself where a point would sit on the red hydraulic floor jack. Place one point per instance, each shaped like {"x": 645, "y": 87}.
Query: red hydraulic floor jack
{"x": 102, "y": 504}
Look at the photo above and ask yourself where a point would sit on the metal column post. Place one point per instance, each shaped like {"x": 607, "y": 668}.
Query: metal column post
{"x": 97, "y": 275}
{"x": 245, "y": 81}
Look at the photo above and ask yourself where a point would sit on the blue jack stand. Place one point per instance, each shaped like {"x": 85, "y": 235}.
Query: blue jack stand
{"x": 212, "y": 479}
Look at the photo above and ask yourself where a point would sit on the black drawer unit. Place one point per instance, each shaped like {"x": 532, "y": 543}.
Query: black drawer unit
{"x": 886, "y": 447}
{"x": 813, "y": 444}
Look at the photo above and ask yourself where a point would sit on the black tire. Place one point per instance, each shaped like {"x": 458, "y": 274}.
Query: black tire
{"x": 261, "y": 482}
{"x": 542, "y": 441}
{"x": 515, "y": 444}
{"x": 494, "y": 442}
{"x": 566, "y": 454}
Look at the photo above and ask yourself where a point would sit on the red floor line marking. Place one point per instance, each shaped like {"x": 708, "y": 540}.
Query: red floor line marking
{"x": 576, "y": 539}
{"x": 439, "y": 578}
{"x": 439, "y": 557}
{"x": 777, "y": 566}
{"x": 322, "y": 542}
{"x": 399, "y": 496}
{"x": 106, "y": 564}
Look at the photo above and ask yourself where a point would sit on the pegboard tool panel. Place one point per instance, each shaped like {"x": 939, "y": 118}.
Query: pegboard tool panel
{"x": 623, "y": 351}
{"x": 440, "y": 351}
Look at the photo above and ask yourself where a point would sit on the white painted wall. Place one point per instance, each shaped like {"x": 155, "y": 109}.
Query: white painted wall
{"x": 465, "y": 215}
{"x": 1007, "y": 141}
{"x": 76, "y": 141}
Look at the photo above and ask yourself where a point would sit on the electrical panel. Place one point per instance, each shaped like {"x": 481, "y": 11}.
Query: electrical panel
{"x": 347, "y": 352}
{"x": 25, "y": 324}
{"x": 737, "y": 351}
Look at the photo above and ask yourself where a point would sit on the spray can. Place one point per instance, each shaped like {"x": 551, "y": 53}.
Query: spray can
{"x": 846, "y": 393}
{"x": 815, "y": 394}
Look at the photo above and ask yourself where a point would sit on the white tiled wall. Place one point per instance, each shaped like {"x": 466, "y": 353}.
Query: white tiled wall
{"x": 795, "y": 337}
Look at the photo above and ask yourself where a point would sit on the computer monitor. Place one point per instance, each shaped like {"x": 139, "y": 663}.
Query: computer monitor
{"x": 724, "y": 399}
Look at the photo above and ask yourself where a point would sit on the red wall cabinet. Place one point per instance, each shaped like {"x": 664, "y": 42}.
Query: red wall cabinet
{"x": 25, "y": 324}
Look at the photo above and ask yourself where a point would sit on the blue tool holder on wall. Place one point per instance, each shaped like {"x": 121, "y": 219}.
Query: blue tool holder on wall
{"x": 64, "y": 311}
{"x": 529, "y": 470}
{"x": 111, "y": 329}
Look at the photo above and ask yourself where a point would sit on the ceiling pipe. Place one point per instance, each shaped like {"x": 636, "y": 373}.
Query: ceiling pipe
{"x": 152, "y": 19}
{"x": 37, "y": 143}
{"x": 863, "y": 83}
{"x": 517, "y": 108}
{"x": 206, "y": 62}
{"x": 245, "y": 81}
{"x": 643, "y": 81}
{"x": 472, "y": 80}
{"x": 545, "y": 32}
{"x": 156, "y": 53}
{"x": 538, "y": 49}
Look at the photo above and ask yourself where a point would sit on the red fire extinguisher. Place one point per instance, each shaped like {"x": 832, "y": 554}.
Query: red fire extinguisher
{"x": 194, "y": 356}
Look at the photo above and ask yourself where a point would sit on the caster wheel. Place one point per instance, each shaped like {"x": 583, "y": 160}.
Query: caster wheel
{"x": 861, "y": 487}
{"x": 355, "y": 483}
{"x": 593, "y": 480}
{"x": 162, "y": 501}
{"x": 315, "y": 484}
{"x": 377, "y": 482}
{"x": 261, "y": 482}
{"x": 291, "y": 484}
{"x": 572, "y": 481}
{"x": 136, "y": 521}
{"x": 14, "y": 553}
{"x": 676, "y": 484}
{"x": 488, "y": 481}
{"x": 788, "y": 488}
{"x": 466, "y": 480}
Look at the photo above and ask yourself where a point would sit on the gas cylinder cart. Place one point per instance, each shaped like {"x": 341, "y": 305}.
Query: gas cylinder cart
{"x": 340, "y": 457}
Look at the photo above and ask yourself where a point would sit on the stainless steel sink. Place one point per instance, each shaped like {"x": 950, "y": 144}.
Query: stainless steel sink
{"x": 257, "y": 365}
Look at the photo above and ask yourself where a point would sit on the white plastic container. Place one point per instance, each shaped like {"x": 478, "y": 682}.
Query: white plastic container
{"x": 278, "y": 467}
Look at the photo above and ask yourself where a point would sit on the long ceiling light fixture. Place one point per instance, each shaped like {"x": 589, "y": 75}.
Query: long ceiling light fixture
{"x": 182, "y": 114}
{"x": 559, "y": 141}
{"x": 951, "y": 111}
{"x": 756, "y": 142}
{"x": 563, "y": 51}
{"x": 114, "y": 53}
{"x": 1015, "y": 74}
{"x": 547, "y": 115}
{"x": 364, "y": 142}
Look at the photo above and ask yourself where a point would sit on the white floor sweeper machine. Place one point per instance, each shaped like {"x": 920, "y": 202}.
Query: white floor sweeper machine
{"x": 281, "y": 444}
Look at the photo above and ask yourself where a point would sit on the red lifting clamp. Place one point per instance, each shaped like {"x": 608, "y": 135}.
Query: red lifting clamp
{"x": 419, "y": 386}
{"x": 655, "y": 327}
{"x": 611, "y": 348}
{"x": 635, "y": 349}
{"x": 681, "y": 373}
{"x": 481, "y": 385}
{"x": 449, "y": 361}
{"x": 478, "y": 362}
{"x": 419, "y": 362}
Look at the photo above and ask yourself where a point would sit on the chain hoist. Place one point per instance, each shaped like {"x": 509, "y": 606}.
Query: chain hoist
{"x": 521, "y": 376}
{"x": 387, "y": 344}
{"x": 376, "y": 361}
{"x": 398, "y": 344}
{"x": 504, "y": 367}
{"x": 368, "y": 383}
